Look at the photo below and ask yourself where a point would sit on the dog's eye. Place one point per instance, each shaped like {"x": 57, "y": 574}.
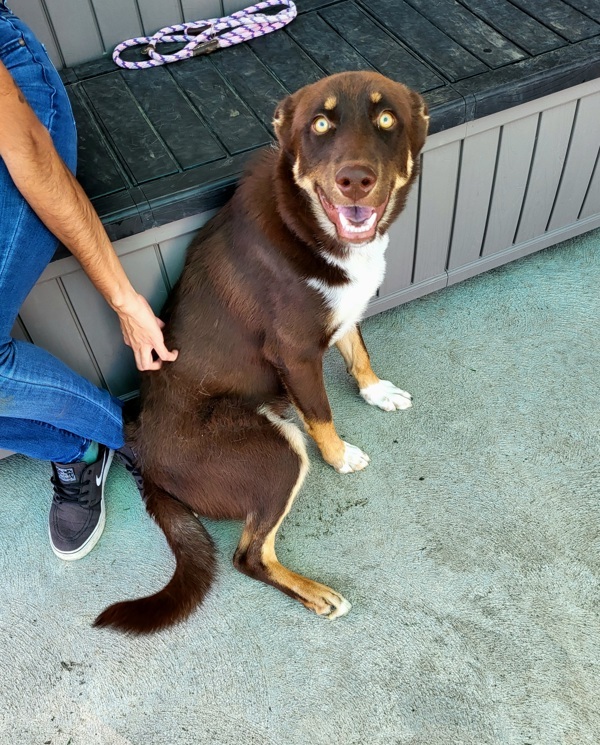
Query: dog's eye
{"x": 386, "y": 120}
{"x": 321, "y": 125}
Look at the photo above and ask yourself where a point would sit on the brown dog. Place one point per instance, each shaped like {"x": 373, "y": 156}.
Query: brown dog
{"x": 280, "y": 274}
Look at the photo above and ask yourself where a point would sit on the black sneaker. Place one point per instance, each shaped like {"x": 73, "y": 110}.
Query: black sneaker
{"x": 128, "y": 457}
{"x": 77, "y": 514}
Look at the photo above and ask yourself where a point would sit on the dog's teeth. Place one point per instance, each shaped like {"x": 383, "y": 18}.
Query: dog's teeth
{"x": 351, "y": 228}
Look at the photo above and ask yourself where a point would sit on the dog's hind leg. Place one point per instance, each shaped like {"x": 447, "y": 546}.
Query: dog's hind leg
{"x": 255, "y": 554}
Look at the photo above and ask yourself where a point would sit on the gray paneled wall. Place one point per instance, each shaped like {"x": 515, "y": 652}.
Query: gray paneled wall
{"x": 76, "y": 31}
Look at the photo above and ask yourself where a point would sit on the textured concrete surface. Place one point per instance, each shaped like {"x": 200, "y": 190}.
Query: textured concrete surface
{"x": 469, "y": 549}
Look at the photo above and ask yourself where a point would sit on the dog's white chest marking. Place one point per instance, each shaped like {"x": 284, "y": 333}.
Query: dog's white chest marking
{"x": 365, "y": 267}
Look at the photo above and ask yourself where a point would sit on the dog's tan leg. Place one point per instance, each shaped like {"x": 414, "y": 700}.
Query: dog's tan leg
{"x": 345, "y": 458}
{"x": 255, "y": 554}
{"x": 304, "y": 383}
{"x": 256, "y": 558}
{"x": 358, "y": 363}
{"x": 381, "y": 393}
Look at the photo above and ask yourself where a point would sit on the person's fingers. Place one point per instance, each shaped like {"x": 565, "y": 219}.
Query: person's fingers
{"x": 147, "y": 358}
{"x": 164, "y": 353}
{"x": 154, "y": 365}
{"x": 137, "y": 357}
{"x": 144, "y": 363}
{"x": 142, "y": 331}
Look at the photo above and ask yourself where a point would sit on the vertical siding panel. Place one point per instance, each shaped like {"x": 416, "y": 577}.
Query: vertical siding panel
{"x": 101, "y": 325}
{"x": 591, "y": 206}
{"x": 548, "y": 161}
{"x": 173, "y": 255}
{"x": 172, "y": 251}
{"x": 76, "y": 30}
{"x": 19, "y": 331}
{"x": 102, "y": 329}
{"x": 118, "y": 20}
{"x": 32, "y": 12}
{"x": 401, "y": 251}
{"x": 514, "y": 161}
{"x": 158, "y": 13}
{"x": 50, "y": 324}
{"x": 145, "y": 271}
{"x": 579, "y": 166}
{"x": 197, "y": 10}
{"x": 231, "y": 6}
{"x": 474, "y": 192}
{"x": 438, "y": 189}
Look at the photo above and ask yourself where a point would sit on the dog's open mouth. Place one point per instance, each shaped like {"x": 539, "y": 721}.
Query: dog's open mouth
{"x": 353, "y": 223}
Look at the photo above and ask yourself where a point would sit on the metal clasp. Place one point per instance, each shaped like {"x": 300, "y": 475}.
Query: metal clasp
{"x": 206, "y": 47}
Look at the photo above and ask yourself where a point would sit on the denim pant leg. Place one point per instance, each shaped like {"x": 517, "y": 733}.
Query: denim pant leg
{"x": 47, "y": 411}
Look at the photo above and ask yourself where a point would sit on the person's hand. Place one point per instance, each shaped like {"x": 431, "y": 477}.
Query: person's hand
{"x": 142, "y": 331}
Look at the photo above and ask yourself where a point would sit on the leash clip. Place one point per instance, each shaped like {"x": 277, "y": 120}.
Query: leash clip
{"x": 206, "y": 47}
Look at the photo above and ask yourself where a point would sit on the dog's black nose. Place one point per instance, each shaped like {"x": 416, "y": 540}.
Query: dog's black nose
{"x": 355, "y": 182}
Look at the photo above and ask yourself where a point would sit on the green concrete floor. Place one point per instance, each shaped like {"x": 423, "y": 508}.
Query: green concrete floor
{"x": 470, "y": 550}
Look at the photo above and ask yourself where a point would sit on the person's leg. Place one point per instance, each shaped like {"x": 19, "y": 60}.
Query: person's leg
{"x": 35, "y": 385}
{"x": 46, "y": 409}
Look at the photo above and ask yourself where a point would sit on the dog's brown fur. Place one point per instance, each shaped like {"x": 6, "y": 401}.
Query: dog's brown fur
{"x": 252, "y": 326}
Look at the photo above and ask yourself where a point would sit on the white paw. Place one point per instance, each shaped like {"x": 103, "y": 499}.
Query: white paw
{"x": 339, "y": 608}
{"x": 354, "y": 459}
{"x": 385, "y": 395}
{"x": 327, "y": 603}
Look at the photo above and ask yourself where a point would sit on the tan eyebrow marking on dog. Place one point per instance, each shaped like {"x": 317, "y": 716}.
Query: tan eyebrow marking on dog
{"x": 376, "y": 96}
{"x": 330, "y": 103}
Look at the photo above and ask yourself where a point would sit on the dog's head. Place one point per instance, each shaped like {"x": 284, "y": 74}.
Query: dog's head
{"x": 353, "y": 140}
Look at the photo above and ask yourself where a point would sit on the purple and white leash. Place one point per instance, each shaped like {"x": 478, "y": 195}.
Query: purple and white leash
{"x": 200, "y": 37}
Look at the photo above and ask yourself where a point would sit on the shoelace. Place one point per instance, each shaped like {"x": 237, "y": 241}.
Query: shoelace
{"x": 71, "y": 492}
{"x": 126, "y": 456}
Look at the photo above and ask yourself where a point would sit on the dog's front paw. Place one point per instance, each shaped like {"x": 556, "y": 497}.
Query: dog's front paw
{"x": 354, "y": 460}
{"x": 387, "y": 396}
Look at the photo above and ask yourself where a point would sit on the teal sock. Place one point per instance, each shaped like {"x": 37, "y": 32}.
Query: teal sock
{"x": 91, "y": 454}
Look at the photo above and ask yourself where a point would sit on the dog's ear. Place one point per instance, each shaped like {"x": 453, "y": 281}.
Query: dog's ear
{"x": 420, "y": 123}
{"x": 282, "y": 122}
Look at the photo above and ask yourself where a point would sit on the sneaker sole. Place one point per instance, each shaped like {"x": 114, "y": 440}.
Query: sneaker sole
{"x": 94, "y": 536}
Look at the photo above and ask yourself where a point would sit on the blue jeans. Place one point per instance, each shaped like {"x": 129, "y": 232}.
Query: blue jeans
{"x": 47, "y": 411}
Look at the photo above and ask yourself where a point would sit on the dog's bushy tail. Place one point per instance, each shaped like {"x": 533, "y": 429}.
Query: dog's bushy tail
{"x": 195, "y": 555}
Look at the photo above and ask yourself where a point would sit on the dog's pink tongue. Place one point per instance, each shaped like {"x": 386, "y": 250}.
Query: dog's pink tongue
{"x": 356, "y": 213}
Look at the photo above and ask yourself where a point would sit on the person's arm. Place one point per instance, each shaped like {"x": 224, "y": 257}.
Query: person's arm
{"x": 61, "y": 204}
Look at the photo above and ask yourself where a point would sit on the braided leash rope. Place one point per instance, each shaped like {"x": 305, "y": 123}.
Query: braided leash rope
{"x": 203, "y": 37}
